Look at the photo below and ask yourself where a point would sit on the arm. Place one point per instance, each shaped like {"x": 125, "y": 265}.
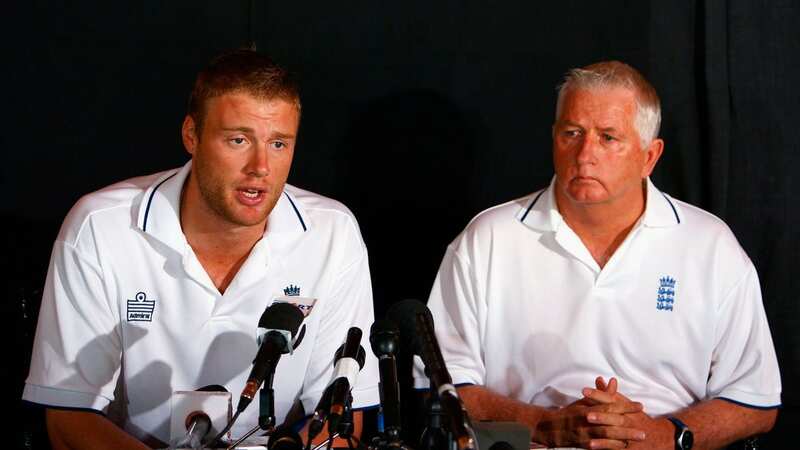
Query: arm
{"x": 76, "y": 354}
{"x": 557, "y": 427}
{"x": 715, "y": 423}
{"x": 82, "y": 429}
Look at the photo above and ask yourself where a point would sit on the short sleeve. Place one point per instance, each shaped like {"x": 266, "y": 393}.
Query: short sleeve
{"x": 455, "y": 308}
{"x": 349, "y": 305}
{"x": 744, "y": 367}
{"x": 77, "y": 348}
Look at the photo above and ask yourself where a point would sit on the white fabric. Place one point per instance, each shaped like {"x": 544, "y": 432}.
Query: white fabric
{"x": 522, "y": 308}
{"x": 122, "y": 247}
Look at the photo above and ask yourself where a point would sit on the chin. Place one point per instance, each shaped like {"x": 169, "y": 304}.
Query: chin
{"x": 587, "y": 197}
{"x": 246, "y": 219}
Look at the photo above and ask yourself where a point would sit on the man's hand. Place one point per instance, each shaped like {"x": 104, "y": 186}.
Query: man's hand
{"x": 658, "y": 432}
{"x": 595, "y": 422}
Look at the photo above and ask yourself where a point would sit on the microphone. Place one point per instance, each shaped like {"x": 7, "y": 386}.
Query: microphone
{"x": 349, "y": 360}
{"x": 384, "y": 337}
{"x": 276, "y": 328}
{"x": 198, "y": 424}
{"x": 416, "y": 323}
{"x": 284, "y": 438}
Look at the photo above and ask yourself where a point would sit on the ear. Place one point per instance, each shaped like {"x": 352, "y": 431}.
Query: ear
{"x": 189, "y": 135}
{"x": 651, "y": 155}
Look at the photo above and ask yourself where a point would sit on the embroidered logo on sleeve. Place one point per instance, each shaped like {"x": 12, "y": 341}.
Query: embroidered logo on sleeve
{"x": 666, "y": 293}
{"x": 140, "y": 309}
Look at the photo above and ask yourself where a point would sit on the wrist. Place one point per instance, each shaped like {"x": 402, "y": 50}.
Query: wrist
{"x": 541, "y": 422}
{"x": 661, "y": 435}
{"x": 682, "y": 437}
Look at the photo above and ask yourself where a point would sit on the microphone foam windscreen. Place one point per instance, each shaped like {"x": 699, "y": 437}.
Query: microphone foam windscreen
{"x": 383, "y": 337}
{"x": 281, "y": 316}
{"x": 404, "y": 314}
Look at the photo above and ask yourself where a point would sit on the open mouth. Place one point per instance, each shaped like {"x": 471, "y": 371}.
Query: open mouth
{"x": 250, "y": 196}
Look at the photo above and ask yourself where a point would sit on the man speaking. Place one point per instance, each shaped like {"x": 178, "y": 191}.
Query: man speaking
{"x": 156, "y": 284}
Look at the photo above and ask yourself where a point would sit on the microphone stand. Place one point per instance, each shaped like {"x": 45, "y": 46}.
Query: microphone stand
{"x": 434, "y": 436}
{"x": 344, "y": 429}
{"x": 389, "y": 439}
{"x": 266, "y": 411}
{"x": 266, "y": 404}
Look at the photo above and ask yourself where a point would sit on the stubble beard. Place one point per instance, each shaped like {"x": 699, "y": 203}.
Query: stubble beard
{"x": 213, "y": 192}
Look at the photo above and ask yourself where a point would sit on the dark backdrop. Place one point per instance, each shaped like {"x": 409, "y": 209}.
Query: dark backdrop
{"x": 416, "y": 114}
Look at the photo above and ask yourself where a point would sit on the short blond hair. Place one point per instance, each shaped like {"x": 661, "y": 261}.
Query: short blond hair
{"x": 241, "y": 71}
{"x": 609, "y": 74}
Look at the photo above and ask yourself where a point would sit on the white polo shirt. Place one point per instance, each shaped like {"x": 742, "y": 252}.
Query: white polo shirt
{"x": 676, "y": 314}
{"x": 126, "y": 296}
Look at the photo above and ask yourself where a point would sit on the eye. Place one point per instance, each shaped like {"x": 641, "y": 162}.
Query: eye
{"x": 237, "y": 140}
{"x": 279, "y": 145}
{"x": 572, "y": 133}
{"x": 608, "y": 138}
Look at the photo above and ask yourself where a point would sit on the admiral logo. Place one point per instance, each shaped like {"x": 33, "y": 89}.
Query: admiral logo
{"x": 291, "y": 291}
{"x": 666, "y": 293}
{"x": 141, "y": 309}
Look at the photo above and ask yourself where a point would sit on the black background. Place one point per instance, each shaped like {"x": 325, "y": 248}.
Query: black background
{"x": 416, "y": 114}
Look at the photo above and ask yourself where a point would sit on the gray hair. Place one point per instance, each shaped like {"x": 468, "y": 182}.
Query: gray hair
{"x": 609, "y": 74}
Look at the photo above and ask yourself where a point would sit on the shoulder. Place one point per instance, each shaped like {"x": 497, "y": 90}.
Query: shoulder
{"x": 323, "y": 213}
{"x": 503, "y": 222}
{"x": 503, "y": 217}
{"x": 318, "y": 204}
{"x": 696, "y": 221}
{"x": 705, "y": 233}
{"x": 118, "y": 200}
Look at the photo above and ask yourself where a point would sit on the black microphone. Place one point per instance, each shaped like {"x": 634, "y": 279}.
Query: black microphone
{"x": 416, "y": 322}
{"x": 349, "y": 359}
{"x": 384, "y": 337}
{"x": 277, "y": 327}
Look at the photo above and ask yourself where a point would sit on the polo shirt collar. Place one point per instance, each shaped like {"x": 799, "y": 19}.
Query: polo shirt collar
{"x": 661, "y": 210}
{"x": 159, "y": 212}
{"x": 541, "y": 211}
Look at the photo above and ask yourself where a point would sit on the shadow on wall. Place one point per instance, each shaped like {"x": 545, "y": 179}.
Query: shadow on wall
{"x": 413, "y": 154}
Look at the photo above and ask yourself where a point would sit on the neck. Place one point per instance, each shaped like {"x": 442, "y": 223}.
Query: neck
{"x": 220, "y": 246}
{"x": 602, "y": 227}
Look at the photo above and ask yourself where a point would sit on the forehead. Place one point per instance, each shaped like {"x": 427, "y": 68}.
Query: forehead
{"x": 599, "y": 104}
{"x": 238, "y": 106}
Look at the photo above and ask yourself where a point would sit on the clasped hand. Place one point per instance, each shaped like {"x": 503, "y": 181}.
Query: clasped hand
{"x": 602, "y": 419}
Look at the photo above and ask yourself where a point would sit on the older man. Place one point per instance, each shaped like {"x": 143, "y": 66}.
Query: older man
{"x": 602, "y": 280}
{"x": 156, "y": 284}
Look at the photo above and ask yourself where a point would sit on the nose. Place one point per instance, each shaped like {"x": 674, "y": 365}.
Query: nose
{"x": 587, "y": 149}
{"x": 258, "y": 161}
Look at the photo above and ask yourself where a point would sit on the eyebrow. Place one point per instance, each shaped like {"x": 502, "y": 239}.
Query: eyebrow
{"x": 573, "y": 124}
{"x": 280, "y": 135}
{"x": 276, "y": 135}
{"x": 242, "y": 129}
{"x": 611, "y": 129}
{"x": 568, "y": 123}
